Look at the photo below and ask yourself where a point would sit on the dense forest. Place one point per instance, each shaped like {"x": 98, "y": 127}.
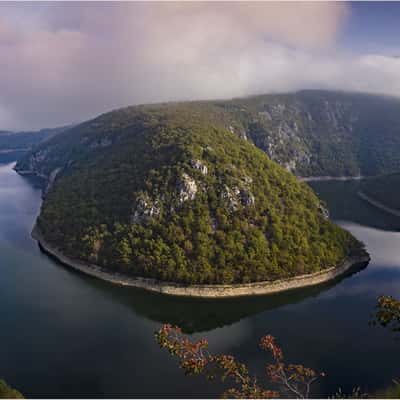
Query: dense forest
{"x": 172, "y": 192}
{"x": 384, "y": 189}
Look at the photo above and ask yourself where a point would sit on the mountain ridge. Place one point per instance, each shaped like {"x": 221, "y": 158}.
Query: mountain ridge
{"x": 310, "y": 133}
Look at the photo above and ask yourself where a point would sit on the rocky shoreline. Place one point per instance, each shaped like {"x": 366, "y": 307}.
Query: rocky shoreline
{"x": 378, "y": 204}
{"x": 204, "y": 291}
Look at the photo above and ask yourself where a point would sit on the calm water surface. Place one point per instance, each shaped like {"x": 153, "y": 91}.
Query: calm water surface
{"x": 63, "y": 334}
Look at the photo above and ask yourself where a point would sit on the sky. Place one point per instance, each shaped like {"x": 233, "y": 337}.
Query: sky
{"x": 63, "y": 63}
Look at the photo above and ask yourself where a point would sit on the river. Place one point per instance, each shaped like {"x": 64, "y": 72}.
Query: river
{"x": 63, "y": 334}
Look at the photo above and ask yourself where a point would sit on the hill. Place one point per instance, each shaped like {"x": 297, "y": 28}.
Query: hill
{"x": 322, "y": 133}
{"x": 310, "y": 133}
{"x": 13, "y": 145}
{"x": 173, "y": 192}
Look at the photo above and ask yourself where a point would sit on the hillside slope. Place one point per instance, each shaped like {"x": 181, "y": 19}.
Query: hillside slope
{"x": 310, "y": 133}
{"x": 170, "y": 192}
{"x": 322, "y": 133}
{"x": 13, "y": 145}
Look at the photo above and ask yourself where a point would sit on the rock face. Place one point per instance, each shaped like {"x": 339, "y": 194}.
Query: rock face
{"x": 199, "y": 165}
{"x": 145, "y": 209}
{"x": 187, "y": 188}
{"x": 236, "y": 197}
{"x": 231, "y": 196}
{"x": 247, "y": 198}
{"x": 324, "y": 211}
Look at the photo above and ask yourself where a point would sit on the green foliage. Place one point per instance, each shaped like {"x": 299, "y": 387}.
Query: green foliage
{"x": 391, "y": 392}
{"x": 249, "y": 219}
{"x": 6, "y": 392}
{"x": 388, "y": 313}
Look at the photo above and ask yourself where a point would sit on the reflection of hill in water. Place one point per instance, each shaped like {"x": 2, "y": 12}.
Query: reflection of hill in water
{"x": 345, "y": 205}
{"x": 196, "y": 315}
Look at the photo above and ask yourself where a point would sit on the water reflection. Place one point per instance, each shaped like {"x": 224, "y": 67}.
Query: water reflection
{"x": 193, "y": 315}
{"x": 11, "y": 156}
{"x": 345, "y": 205}
{"x": 197, "y": 315}
{"x": 67, "y": 335}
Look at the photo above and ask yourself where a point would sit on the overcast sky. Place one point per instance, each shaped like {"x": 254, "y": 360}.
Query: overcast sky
{"x": 66, "y": 62}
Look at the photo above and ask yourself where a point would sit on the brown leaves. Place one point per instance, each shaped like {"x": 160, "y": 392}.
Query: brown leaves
{"x": 194, "y": 358}
{"x": 268, "y": 343}
{"x": 294, "y": 378}
{"x": 388, "y": 313}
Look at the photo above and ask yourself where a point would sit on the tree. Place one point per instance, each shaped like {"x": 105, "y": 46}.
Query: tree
{"x": 6, "y": 392}
{"x": 388, "y": 313}
{"x": 294, "y": 380}
{"x": 388, "y": 316}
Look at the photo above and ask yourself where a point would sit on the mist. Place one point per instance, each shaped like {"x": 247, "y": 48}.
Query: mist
{"x": 66, "y": 62}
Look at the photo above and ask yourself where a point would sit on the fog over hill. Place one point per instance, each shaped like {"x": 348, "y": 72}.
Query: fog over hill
{"x": 71, "y": 62}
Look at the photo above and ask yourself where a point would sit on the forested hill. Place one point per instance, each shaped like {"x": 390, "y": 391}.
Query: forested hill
{"x": 175, "y": 192}
{"x": 310, "y": 133}
{"x": 322, "y": 133}
{"x": 26, "y": 140}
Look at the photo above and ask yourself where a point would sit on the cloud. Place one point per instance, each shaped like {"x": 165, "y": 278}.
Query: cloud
{"x": 65, "y": 62}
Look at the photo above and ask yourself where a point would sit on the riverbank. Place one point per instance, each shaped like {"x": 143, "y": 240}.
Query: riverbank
{"x": 205, "y": 291}
{"x": 29, "y": 173}
{"x": 378, "y": 204}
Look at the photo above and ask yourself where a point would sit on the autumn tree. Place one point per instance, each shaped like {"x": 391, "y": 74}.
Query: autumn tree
{"x": 388, "y": 313}
{"x": 293, "y": 380}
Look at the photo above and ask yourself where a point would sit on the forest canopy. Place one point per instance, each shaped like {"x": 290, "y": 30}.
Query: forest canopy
{"x": 171, "y": 192}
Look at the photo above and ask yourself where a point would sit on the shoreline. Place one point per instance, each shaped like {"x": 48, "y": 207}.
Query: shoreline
{"x": 330, "y": 178}
{"x": 28, "y": 172}
{"x": 201, "y": 291}
{"x": 378, "y": 204}
{"x": 300, "y": 178}
{"x": 8, "y": 151}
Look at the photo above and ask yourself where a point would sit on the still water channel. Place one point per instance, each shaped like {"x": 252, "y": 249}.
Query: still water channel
{"x": 63, "y": 334}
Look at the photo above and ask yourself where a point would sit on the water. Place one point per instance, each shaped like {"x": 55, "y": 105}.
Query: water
{"x": 63, "y": 334}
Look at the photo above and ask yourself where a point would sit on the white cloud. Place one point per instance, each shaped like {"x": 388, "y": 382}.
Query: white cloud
{"x": 64, "y": 62}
